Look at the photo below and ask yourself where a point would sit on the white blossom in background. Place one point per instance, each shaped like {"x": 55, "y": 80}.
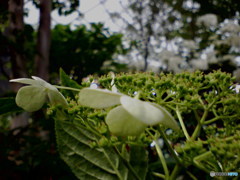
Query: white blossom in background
{"x": 190, "y": 44}
{"x": 200, "y": 64}
{"x": 165, "y": 55}
{"x": 229, "y": 57}
{"x": 208, "y": 20}
{"x": 236, "y": 73}
{"x": 237, "y": 88}
{"x": 154, "y": 66}
{"x": 175, "y": 64}
{"x": 230, "y": 27}
{"x": 234, "y": 42}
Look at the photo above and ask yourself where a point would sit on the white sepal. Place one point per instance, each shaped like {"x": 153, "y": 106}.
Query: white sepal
{"x": 98, "y": 98}
{"x": 121, "y": 123}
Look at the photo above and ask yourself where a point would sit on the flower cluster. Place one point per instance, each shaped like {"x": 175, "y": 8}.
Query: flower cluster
{"x": 31, "y": 98}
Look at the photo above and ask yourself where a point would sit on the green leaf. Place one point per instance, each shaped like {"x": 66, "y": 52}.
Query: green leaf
{"x": 104, "y": 163}
{"x": 68, "y": 82}
{"x": 139, "y": 160}
{"x": 86, "y": 162}
{"x": 8, "y": 105}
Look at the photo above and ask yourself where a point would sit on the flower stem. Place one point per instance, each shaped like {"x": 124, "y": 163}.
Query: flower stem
{"x": 159, "y": 175}
{"x": 112, "y": 164}
{"x": 172, "y": 151}
{"x": 182, "y": 124}
{"x": 217, "y": 118}
{"x": 160, "y": 154}
{"x": 196, "y": 160}
{"x": 175, "y": 171}
{"x": 129, "y": 166}
{"x": 162, "y": 159}
{"x": 67, "y": 88}
{"x": 199, "y": 126}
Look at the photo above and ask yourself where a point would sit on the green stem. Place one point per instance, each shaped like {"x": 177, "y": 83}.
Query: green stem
{"x": 113, "y": 166}
{"x": 217, "y": 118}
{"x": 127, "y": 164}
{"x": 212, "y": 120}
{"x": 191, "y": 175}
{"x": 172, "y": 151}
{"x": 88, "y": 127}
{"x": 182, "y": 124}
{"x": 169, "y": 96}
{"x": 196, "y": 160}
{"x": 199, "y": 126}
{"x": 175, "y": 172}
{"x": 67, "y": 88}
{"x": 160, "y": 154}
{"x": 162, "y": 159}
{"x": 159, "y": 175}
{"x": 196, "y": 115}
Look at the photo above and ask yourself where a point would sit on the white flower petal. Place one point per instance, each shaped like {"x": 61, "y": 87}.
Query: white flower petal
{"x": 31, "y": 98}
{"x": 147, "y": 112}
{"x": 25, "y": 81}
{"x": 98, "y": 98}
{"x": 168, "y": 120}
{"x": 56, "y": 98}
{"x": 121, "y": 123}
{"x": 44, "y": 83}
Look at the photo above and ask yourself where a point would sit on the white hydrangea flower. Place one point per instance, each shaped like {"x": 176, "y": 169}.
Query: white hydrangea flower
{"x": 131, "y": 117}
{"x": 230, "y": 27}
{"x": 236, "y": 73}
{"x": 165, "y": 55}
{"x": 31, "y": 98}
{"x": 207, "y": 20}
{"x": 176, "y": 63}
{"x": 200, "y": 64}
{"x": 234, "y": 41}
{"x": 190, "y": 44}
{"x": 211, "y": 57}
{"x": 237, "y": 89}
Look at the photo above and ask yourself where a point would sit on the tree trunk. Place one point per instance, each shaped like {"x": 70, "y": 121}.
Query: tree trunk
{"x": 43, "y": 41}
{"x": 14, "y": 34}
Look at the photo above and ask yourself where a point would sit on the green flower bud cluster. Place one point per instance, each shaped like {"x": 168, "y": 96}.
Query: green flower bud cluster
{"x": 226, "y": 151}
{"x": 189, "y": 150}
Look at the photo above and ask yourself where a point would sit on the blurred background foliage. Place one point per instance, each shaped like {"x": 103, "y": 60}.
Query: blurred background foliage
{"x": 87, "y": 55}
{"x": 158, "y": 35}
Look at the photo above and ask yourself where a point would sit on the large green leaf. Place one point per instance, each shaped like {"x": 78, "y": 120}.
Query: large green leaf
{"x": 8, "y": 105}
{"x": 105, "y": 163}
{"x": 139, "y": 160}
